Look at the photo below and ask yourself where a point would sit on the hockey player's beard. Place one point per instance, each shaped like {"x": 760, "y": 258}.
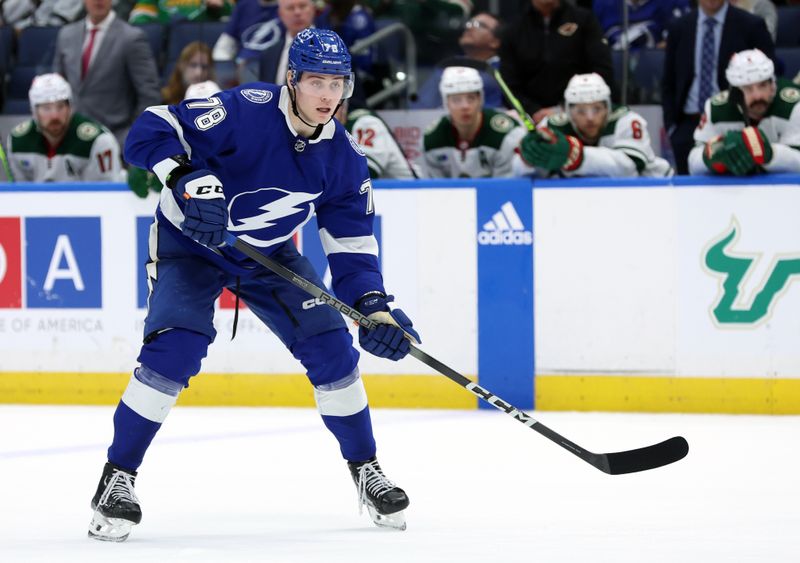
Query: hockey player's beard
{"x": 757, "y": 109}
{"x": 54, "y": 129}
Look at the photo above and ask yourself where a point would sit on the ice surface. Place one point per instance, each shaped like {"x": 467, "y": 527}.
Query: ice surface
{"x": 260, "y": 484}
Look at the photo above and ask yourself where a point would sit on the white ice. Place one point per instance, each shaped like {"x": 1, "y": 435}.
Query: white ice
{"x": 231, "y": 485}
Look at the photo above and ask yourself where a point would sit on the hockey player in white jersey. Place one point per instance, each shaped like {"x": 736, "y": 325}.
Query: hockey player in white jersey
{"x": 470, "y": 141}
{"x": 258, "y": 162}
{"x": 57, "y": 145}
{"x": 751, "y": 128}
{"x": 385, "y": 156}
{"x": 592, "y": 137}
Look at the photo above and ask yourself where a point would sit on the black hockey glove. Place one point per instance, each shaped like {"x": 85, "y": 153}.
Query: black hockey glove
{"x": 206, "y": 211}
{"x": 391, "y": 337}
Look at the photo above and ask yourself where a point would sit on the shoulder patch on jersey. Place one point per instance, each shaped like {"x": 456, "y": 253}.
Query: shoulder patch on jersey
{"x": 720, "y": 99}
{"x": 354, "y": 144}
{"x": 87, "y": 131}
{"x": 790, "y": 95}
{"x": 22, "y": 129}
{"x": 256, "y": 95}
{"x": 501, "y": 123}
{"x": 558, "y": 119}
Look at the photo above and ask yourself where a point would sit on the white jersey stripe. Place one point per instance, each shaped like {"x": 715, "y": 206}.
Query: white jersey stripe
{"x": 353, "y": 245}
{"x": 164, "y": 113}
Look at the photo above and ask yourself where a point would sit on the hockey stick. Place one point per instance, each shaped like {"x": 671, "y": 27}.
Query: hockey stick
{"x": 4, "y": 162}
{"x": 615, "y": 463}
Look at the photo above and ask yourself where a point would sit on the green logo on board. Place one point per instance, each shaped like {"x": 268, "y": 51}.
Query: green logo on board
{"x": 734, "y": 268}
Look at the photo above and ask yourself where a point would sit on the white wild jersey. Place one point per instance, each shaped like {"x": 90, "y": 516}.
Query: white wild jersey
{"x": 88, "y": 153}
{"x": 623, "y": 149}
{"x": 489, "y": 155}
{"x": 781, "y": 126}
{"x": 385, "y": 158}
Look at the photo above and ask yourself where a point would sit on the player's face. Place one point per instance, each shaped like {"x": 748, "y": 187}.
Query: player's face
{"x": 589, "y": 119}
{"x": 464, "y": 108}
{"x": 318, "y": 95}
{"x": 196, "y": 69}
{"x": 758, "y": 97}
{"x": 53, "y": 118}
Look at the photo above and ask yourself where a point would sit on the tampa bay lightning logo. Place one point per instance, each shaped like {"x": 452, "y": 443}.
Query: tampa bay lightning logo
{"x": 268, "y": 216}
{"x": 262, "y": 35}
{"x": 354, "y": 144}
{"x": 256, "y": 95}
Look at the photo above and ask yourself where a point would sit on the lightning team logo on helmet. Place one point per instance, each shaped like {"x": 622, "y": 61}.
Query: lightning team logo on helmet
{"x": 321, "y": 51}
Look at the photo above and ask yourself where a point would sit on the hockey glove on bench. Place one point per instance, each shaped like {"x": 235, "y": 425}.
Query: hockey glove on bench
{"x": 390, "y": 339}
{"x": 738, "y": 152}
{"x": 551, "y": 150}
{"x": 206, "y": 211}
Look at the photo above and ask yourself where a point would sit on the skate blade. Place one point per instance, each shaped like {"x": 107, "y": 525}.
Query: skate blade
{"x": 109, "y": 529}
{"x": 396, "y": 521}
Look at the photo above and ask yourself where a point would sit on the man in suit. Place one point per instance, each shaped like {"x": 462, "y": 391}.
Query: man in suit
{"x": 295, "y": 16}
{"x": 110, "y": 67}
{"x": 699, "y": 46}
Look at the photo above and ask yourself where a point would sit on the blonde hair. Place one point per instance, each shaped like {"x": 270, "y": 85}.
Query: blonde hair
{"x": 175, "y": 89}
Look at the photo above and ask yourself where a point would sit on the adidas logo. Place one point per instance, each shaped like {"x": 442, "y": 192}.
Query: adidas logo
{"x": 505, "y": 228}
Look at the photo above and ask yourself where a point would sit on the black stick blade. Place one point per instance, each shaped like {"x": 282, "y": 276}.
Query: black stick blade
{"x": 650, "y": 457}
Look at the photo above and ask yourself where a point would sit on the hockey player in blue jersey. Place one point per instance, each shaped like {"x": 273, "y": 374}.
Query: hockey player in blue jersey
{"x": 257, "y": 161}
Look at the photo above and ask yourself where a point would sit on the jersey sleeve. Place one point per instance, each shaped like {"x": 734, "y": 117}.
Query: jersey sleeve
{"x": 346, "y": 231}
{"x": 706, "y": 129}
{"x": 632, "y": 138}
{"x": 13, "y": 163}
{"x": 196, "y": 128}
{"x": 505, "y": 156}
{"x": 104, "y": 160}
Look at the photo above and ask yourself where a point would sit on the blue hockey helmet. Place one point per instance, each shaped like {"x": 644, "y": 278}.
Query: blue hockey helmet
{"x": 320, "y": 51}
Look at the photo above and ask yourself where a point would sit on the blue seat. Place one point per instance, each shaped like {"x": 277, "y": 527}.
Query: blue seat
{"x": 36, "y": 47}
{"x": 788, "y": 26}
{"x": 790, "y": 57}
{"x": 19, "y": 81}
{"x": 6, "y": 43}
{"x": 183, "y": 33}
{"x": 155, "y": 37}
{"x": 647, "y": 67}
{"x": 17, "y": 107}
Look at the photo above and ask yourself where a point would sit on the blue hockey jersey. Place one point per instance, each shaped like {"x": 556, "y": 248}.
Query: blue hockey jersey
{"x": 274, "y": 180}
{"x": 647, "y": 20}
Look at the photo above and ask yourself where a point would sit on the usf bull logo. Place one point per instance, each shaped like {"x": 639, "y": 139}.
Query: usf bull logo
{"x": 735, "y": 268}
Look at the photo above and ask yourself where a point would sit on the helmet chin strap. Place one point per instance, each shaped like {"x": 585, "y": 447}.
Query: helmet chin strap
{"x": 318, "y": 127}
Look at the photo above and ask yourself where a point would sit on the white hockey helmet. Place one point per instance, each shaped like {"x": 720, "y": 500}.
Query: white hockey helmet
{"x": 749, "y": 67}
{"x": 202, "y": 90}
{"x": 47, "y": 88}
{"x": 459, "y": 80}
{"x": 587, "y": 89}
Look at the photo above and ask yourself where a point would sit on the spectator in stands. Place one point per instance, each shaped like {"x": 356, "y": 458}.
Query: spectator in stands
{"x": 295, "y": 16}
{"x": 252, "y": 28}
{"x": 141, "y": 181}
{"x": 113, "y": 86}
{"x": 550, "y": 43}
{"x": 593, "y": 138}
{"x": 194, "y": 65}
{"x": 352, "y": 22}
{"x": 470, "y": 141}
{"x": 480, "y": 41}
{"x": 58, "y": 145}
{"x": 647, "y": 21}
{"x": 167, "y": 11}
{"x": 699, "y": 46}
{"x": 385, "y": 157}
{"x": 764, "y": 9}
{"x": 36, "y": 13}
{"x": 754, "y": 126}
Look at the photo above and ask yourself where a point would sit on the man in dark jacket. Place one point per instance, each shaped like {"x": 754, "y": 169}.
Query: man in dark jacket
{"x": 689, "y": 80}
{"x": 550, "y": 43}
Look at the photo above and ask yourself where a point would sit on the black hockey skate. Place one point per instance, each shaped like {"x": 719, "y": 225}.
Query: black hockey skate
{"x": 116, "y": 508}
{"x": 384, "y": 500}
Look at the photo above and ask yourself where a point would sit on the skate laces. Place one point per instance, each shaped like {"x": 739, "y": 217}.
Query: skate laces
{"x": 119, "y": 488}
{"x": 371, "y": 480}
